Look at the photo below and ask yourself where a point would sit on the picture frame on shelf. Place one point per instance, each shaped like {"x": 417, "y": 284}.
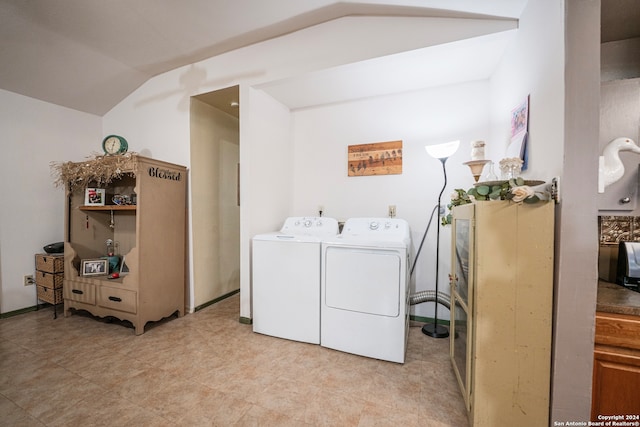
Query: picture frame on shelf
{"x": 95, "y": 267}
{"x": 124, "y": 268}
{"x": 94, "y": 196}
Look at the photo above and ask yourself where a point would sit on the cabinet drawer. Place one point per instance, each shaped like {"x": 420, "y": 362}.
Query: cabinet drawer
{"x": 79, "y": 291}
{"x": 117, "y": 299}
{"x": 618, "y": 330}
{"x": 50, "y": 263}
{"x": 49, "y": 280}
{"x": 52, "y": 296}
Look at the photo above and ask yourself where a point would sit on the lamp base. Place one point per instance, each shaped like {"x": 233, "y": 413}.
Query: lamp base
{"x": 435, "y": 331}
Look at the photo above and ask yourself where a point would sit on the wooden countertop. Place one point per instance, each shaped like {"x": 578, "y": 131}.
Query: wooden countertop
{"x": 614, "y": 298}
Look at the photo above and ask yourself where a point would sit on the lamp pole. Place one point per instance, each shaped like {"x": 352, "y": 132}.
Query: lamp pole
{"x": 434, "y": 329}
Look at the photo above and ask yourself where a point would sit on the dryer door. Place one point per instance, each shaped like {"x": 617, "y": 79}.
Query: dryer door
{"x": 363, "y": 280}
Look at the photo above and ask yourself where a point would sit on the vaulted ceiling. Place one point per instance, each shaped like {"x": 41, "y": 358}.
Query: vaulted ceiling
{"x": 90, "y": 54}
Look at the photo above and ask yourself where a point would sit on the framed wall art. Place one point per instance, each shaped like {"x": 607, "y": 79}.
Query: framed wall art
{"x": 518, "y": 146}
{"x": 379, "y": 158}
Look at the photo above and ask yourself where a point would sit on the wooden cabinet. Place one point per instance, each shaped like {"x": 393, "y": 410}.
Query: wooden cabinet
{"x": 501, "y": 310}
{"x": 151, "y": 237}
{"x": 616, "y": 366}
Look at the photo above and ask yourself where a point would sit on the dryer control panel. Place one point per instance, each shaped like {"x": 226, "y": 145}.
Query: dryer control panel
{"x": 377, "y": 228}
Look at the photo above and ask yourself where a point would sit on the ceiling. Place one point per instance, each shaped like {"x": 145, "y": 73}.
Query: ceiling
{"x": 88, "y": 55}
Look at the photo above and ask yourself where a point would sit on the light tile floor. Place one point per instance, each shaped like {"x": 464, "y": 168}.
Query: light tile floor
{"x": 207, "y": 369}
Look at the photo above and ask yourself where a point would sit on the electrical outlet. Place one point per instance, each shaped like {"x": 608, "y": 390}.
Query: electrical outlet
{"x": 28, "y": 280}
{"x": 392, "y": 211}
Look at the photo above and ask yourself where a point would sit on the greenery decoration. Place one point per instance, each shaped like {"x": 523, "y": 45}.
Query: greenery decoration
{"x": 514, "y": 190}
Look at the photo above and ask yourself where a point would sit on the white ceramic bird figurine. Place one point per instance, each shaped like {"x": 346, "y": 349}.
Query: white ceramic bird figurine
{"x": 611, "y": 168}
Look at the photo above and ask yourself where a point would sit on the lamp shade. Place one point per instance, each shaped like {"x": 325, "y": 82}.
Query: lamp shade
{"x": 442, "y": 151}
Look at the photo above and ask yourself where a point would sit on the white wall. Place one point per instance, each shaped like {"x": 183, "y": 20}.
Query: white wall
{"x": 34, "y": 133}
{"x": 620, "y": 59}
{"x": 533, "y": 65}
{"x": 266, "y": 157}
{"x": 321, "y": 137}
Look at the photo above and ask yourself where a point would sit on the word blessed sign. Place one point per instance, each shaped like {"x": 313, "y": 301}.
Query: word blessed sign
{"x": 165, "y": 174}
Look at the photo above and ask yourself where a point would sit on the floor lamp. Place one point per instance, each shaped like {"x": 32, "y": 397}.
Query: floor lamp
{"x": 441, "y": 152}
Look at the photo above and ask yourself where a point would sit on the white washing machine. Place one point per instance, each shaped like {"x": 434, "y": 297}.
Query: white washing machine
{"x": 365, "y": 291}
{"x": 286, "y": 278}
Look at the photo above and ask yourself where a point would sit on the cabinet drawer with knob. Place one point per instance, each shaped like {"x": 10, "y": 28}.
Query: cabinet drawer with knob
{"x": 80, "y": 291}
{"x": 117, "y": 299}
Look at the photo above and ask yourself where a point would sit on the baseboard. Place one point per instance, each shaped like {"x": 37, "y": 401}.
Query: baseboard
{"x": 428, "y": 320}
{"x": 25, "y": 310}
{"x": 213, "y": 301}
{"x": 245, "y": 320}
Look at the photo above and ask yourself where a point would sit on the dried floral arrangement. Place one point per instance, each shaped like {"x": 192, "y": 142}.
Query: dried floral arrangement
{"x": 97, "y": 170}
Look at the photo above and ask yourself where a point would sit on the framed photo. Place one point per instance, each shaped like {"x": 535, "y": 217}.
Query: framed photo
{"x": 95, "y": 267}
{"x": 124, "y": 268}
{"x": 94, "y": 196}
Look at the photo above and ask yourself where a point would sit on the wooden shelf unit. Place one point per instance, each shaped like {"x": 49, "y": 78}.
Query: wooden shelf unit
{"x": 151, "y": 237}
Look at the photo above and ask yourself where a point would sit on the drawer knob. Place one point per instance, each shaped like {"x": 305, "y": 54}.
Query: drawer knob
{"x": 116, "y": 299}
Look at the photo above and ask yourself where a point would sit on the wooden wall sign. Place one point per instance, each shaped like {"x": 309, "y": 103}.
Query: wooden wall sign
{"x": 379, "y": 158}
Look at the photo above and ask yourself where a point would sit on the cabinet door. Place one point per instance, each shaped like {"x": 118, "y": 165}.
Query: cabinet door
{"x": 461, "y": 298}
{"x": 616, "y": 382}
{"x": 461, "y": 251}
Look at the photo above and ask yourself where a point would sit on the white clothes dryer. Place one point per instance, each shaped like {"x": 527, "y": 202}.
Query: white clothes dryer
{"x": 365, "y": 291}
{"x": 286, "y": 278}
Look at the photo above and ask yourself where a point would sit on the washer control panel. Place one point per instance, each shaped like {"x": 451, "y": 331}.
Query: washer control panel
{"x": 310, "y": 226}
{"x": 377, "y": 228}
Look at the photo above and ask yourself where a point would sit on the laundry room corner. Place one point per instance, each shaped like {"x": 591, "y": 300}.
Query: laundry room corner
{"x": 321, "y": 137}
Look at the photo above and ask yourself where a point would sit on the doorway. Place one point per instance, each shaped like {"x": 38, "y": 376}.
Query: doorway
{"x": 215, "y": 154}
